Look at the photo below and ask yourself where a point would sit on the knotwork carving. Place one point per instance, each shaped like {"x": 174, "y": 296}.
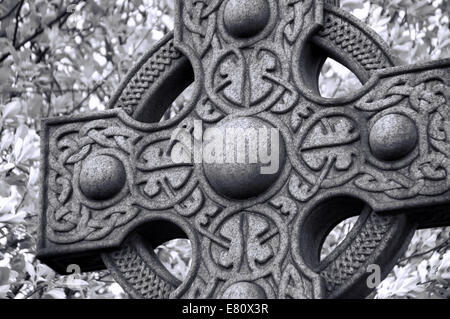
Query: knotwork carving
{"x": 425, "y": 100}
{"x": 338, "y": 271}
{"x": 152, "y": 179}
{"x": 141, "y": 268}
{"x": 331, "y": 141}
{"x": 113, "y": 186}
{"x": 293, "y": 21}
{"x": 70, "y": 216}
{"x": 151, "y": 70}
{"x": 354, "y": 42}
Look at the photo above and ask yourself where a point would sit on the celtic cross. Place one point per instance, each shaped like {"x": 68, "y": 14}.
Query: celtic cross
{"x": 112, "y": 189}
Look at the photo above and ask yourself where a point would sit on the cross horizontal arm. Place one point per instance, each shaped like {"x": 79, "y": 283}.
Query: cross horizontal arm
{"x": 101, "y": 171}
{"x": 390, "y": 146}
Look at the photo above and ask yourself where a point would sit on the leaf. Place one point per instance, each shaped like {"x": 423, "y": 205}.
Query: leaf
{"x": 29, "y": 268}
{"x": 7, "y": 206}
{"x": 4, "y": 291}
{"x": 44, "y": 272}
{"x": 352, "y": 4}
{"x": 56, "y": 293}
{"x": 6, "y": 167}
{"x": 74, "y": 283}
{"x": 11, "y": 109}
{"x": 4, "y": 275}
{"x": 18, "y": 264}
{"x": 116, "y": 289}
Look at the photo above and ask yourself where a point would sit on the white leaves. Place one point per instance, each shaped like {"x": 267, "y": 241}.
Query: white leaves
{"x": 17, "y": 149}
{"x": 444, "y": 268}
{"x": 7, "y": 205}
{"x": 7, "y": 277}
{"x": 422, "y": 270}
{"x": 116, "y": 289}
{"x": 5, "y": 167}
{"x": 62, "y": 103}
{"x": 11, "y": 109}
{"x": 402, "y": 284}
{"x": 33, "y": 177}
{"x": 429, "y": 240}
{"x": 44, "y": 273}
{"x": 176, "y": 257}
{"x": 352, "y": 4}
{"x": 4, "y": 275}
{"x": 12, "y": 218}
{"x": 57, "y": 293}
{"x": 422, "y": 275}
{"x": 8, "y": 208}
{"x": 74, "y": 283}
{"x": 3, "y": 291}
{"x": 443, "y": 37}
{"x": 168, "y": 21}
{"x": 26, "y": 145}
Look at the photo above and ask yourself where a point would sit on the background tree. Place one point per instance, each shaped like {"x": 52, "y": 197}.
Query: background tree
{"x": 62, "y": 57}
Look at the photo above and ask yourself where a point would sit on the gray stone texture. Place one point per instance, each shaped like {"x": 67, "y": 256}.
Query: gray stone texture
{"x": 111, "y": 192}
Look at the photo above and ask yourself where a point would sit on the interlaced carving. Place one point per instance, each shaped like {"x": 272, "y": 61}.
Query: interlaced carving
{"x": 353, "y": 41}
{"x": 70, "y": 219}
{"x": 136, "y": 271}
{"x": 153, "y": 68}
{"x": 427, "y": 97}
{"x": 294, "y": 17}
{"x": 354, "y": 257}
{"x": 71, "y": 215}
{"x": 253, "y": 234}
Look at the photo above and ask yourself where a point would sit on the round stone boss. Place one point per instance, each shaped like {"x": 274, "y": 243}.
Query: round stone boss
{"x": 232, "y": 21}
{"x": 393, "y": 137}
{"x": 102, "y": 177}
{"x": 244, "y": 19}
{"x": 246, "y": 173}
{"x": 244, "y": 290}
{"x": 244, "y": 23}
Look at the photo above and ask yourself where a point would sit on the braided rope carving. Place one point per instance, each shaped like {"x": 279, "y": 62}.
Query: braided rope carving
{"x": 355, "y": 256}
{"x": 353, "y": 41}
{"x": 336, "y": 3}
{"x": 137, "y": 273}
{"x": 154, "y": 67}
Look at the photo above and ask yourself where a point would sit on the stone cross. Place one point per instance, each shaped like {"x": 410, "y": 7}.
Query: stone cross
{"x": 117, "y": 184}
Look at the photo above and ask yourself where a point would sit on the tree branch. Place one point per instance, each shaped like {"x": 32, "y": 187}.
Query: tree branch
{"x": 39, "y": 31}
{"x": 94, "y": 89}
{"x": 16, "y": 28}
{"x": 444, "y": 244}
{"x": 10, "y": 11}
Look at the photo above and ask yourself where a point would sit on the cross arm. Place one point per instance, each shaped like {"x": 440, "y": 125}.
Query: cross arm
{"x": 389, "y": 146}
{"x": 103, "y": 174}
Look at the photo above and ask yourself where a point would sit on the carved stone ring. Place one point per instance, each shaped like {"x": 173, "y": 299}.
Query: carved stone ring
{"x": 112, "y": 191}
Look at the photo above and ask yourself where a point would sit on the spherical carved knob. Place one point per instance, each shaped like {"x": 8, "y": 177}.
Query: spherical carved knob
{"x": 102, "y": 177}
{"x": 244, "y": 290}
{"x": 393, "y": 137}
{"x": 252, "y": 158}
{"x": 245, "y": 19}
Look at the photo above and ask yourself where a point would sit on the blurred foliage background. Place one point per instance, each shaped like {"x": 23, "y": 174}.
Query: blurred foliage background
{"x": 60, "y": 57}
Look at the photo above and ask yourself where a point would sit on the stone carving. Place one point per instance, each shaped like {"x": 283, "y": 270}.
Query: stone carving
{"x": 112, "y": 189}
{"x": 99, "y": 171}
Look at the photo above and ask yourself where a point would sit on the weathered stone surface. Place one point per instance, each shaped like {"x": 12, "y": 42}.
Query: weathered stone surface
{"x": 246, "y": 173}
{"x": 244, "y": 290}
{"x": 113, "y": 190}
{"x": 244, "y": 19}
{"x": 393, "y": 137}
{"x": 102, "y": 177}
